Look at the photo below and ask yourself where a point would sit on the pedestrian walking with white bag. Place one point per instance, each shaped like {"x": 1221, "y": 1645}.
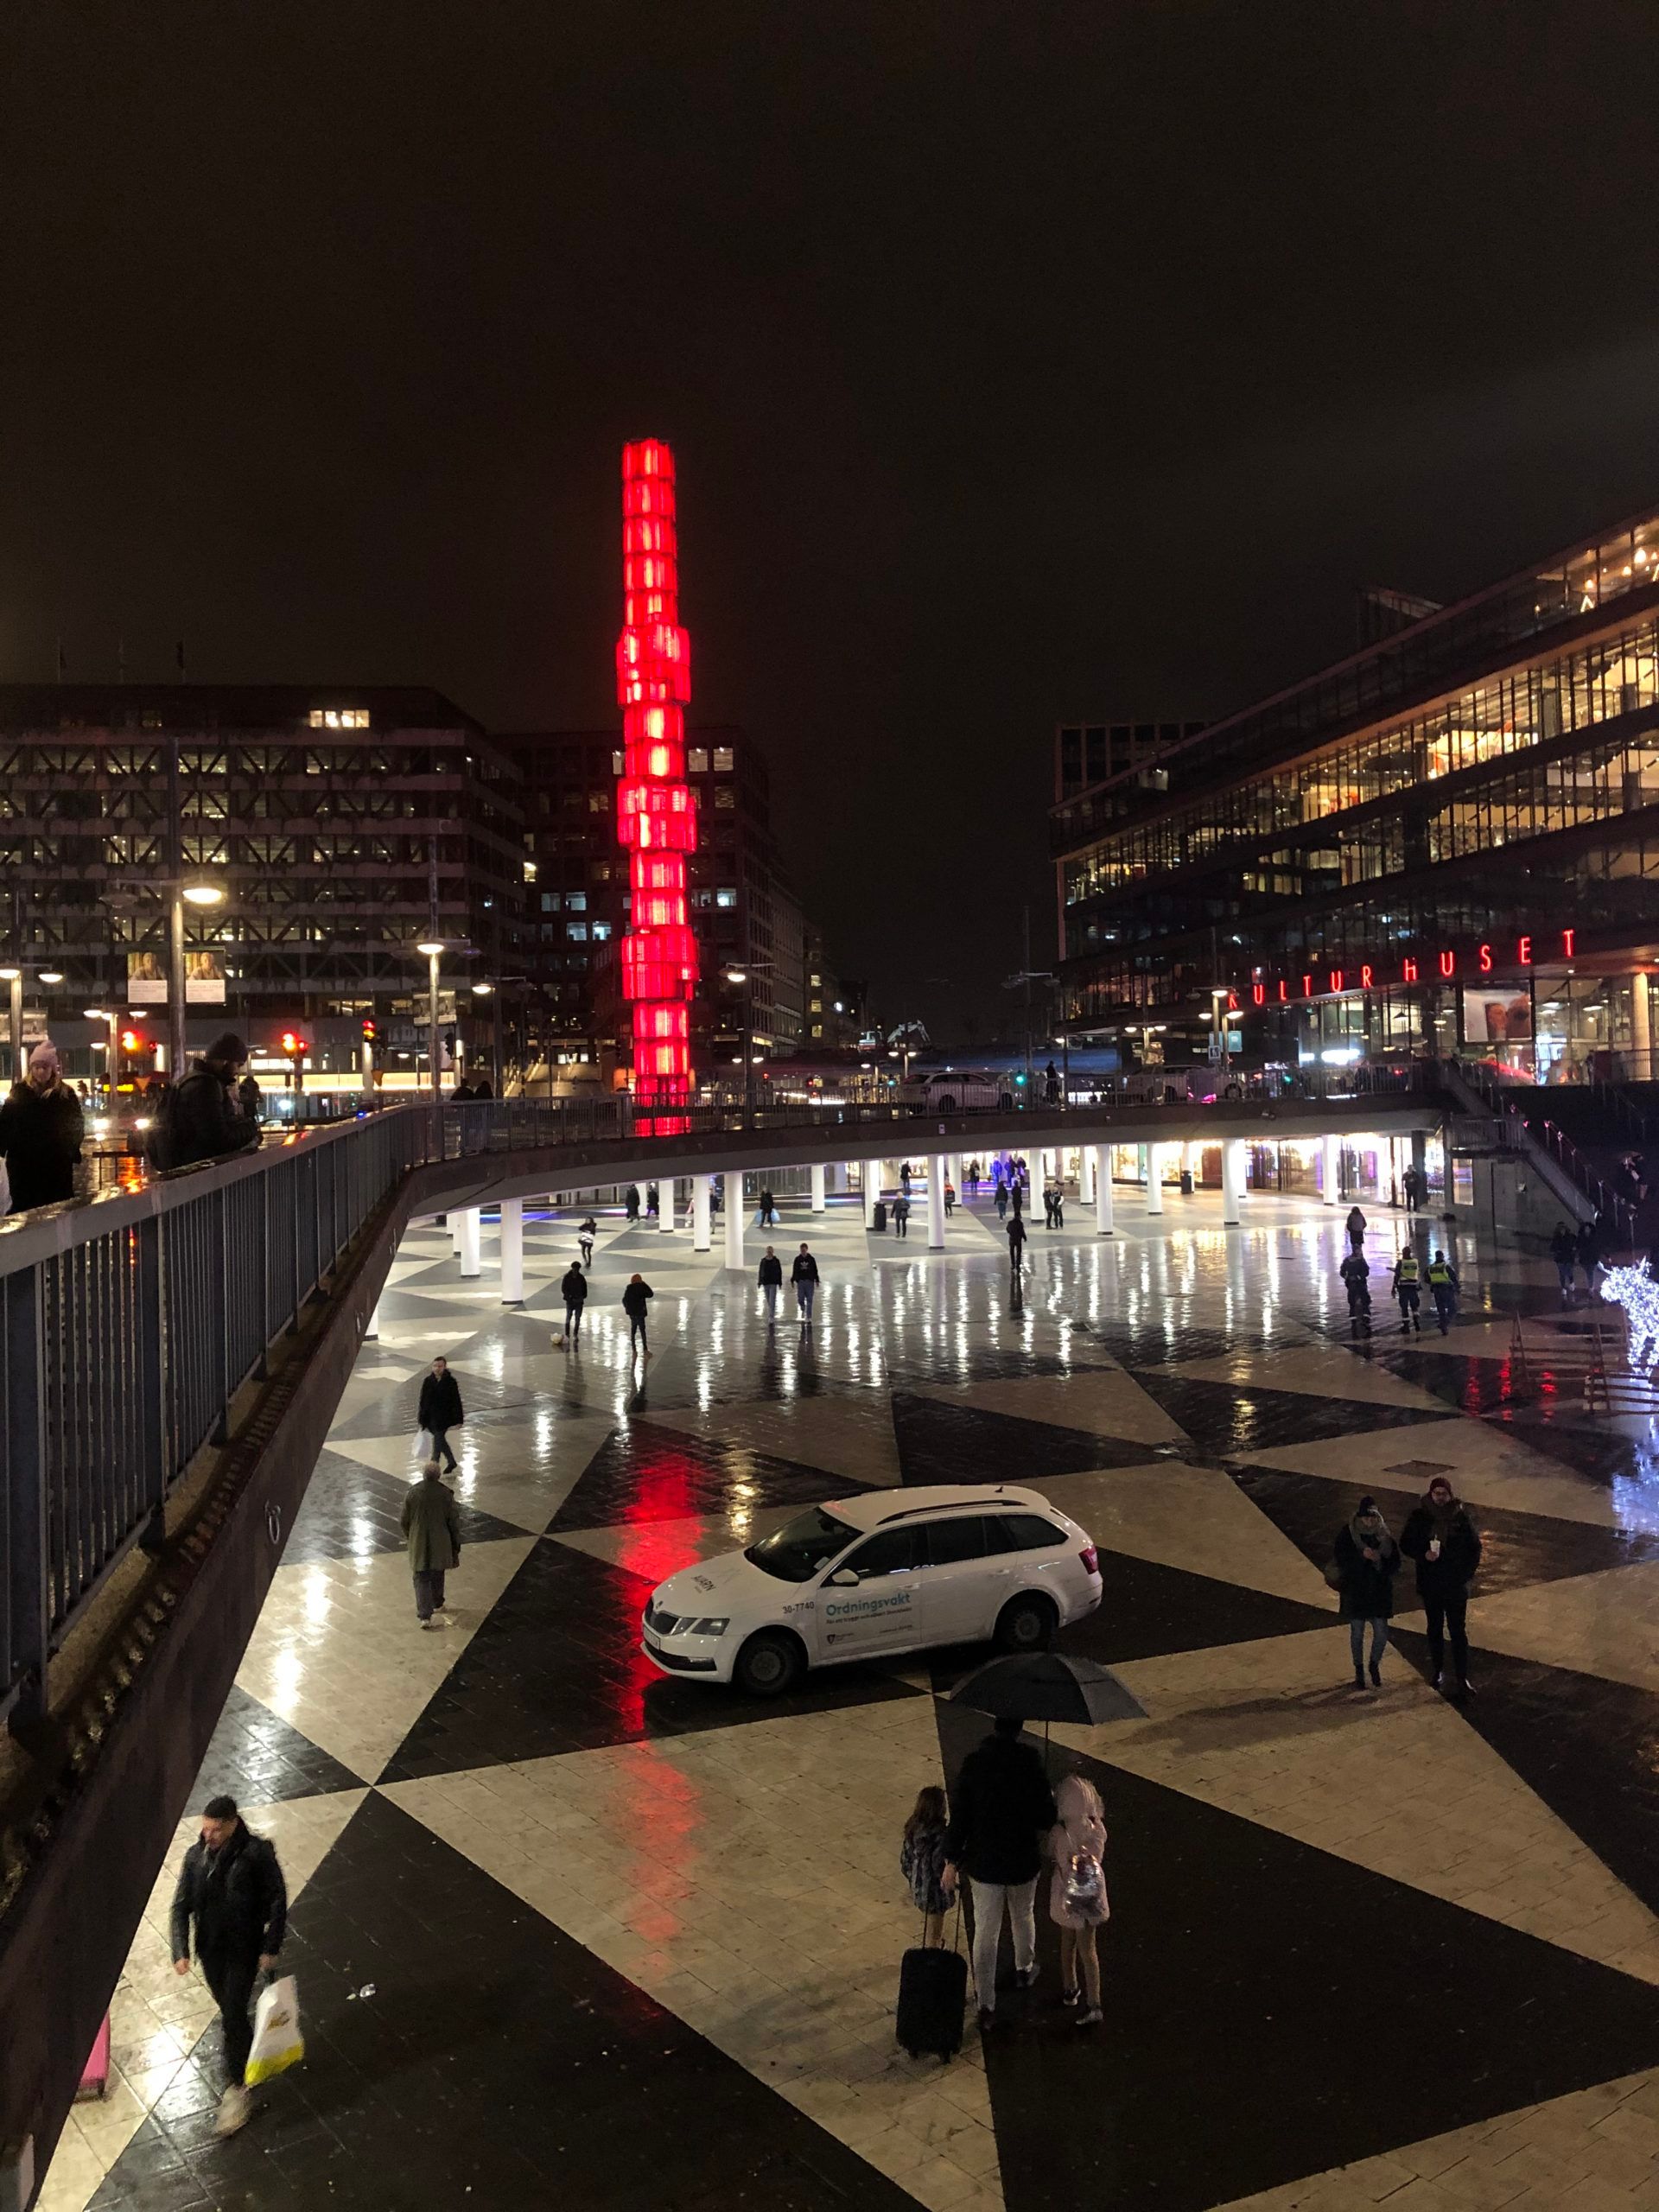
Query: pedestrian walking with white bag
{"x": 1077, "y": 1895}
{"x": 232, "y": 1897}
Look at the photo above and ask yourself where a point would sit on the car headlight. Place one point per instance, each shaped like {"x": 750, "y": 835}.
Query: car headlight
{"x": 708, "y": 1626}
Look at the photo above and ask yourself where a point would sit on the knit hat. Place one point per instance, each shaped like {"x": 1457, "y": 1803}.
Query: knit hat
{"x": 228, "y": 1048}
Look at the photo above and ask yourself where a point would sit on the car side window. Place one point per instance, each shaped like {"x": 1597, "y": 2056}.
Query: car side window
{"x": 890, "y": 1551}
{"x": 1026, "y": 1533}
{"x": 961, "y": 1537}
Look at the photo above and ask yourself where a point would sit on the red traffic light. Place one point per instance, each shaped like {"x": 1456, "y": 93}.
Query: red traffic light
{"x": 132, "y": 1042}
{"x": 293, "y": 1045}
{"x": 371, "y": 1031}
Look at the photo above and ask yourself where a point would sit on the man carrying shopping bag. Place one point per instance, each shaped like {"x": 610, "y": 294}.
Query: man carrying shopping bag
{"x": 232, "y": 1888}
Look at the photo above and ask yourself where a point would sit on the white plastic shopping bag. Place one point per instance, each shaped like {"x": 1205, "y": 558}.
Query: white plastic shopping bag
{"x": 423, "y": 1447}
{"x": 277, "y": 2042}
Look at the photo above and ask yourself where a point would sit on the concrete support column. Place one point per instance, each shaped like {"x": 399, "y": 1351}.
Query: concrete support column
{"x": 735, "y": 1221}
{"x": 1154, "y": 1179}
{"x": 1086, "y": 1175}
{"x": 1331, "y": 1170}
{"x": 513, "y": 1251}
{"x": 699, "y": 1213}
{"x": 665, "y": 1205}
{"x": 453, "y": 1222}
{"x": 936, "y": 1174}
{"x": 871, "y": 1171}
{"x": 1641, "y": 1027}
{"x": 1232, "y": 1179}
{"x": 469, "y": 1223}
{"x": 374, "y": 1329}
{"x": 1104, "y": 1220}
{"x": 817, "y": 1187}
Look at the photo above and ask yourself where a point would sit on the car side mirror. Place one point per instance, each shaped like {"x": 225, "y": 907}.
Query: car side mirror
{"x": 843, "y": 1578}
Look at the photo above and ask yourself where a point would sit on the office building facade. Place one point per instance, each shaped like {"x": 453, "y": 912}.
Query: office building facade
{"x": 1448, "y": 841}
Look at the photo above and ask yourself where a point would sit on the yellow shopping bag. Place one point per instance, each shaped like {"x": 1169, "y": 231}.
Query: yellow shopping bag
{"x": 277, "y": 2042}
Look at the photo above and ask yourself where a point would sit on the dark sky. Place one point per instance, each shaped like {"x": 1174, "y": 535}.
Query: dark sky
{"x": 1021, "y": 361}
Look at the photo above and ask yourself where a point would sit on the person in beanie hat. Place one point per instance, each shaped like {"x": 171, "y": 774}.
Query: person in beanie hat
{"x": 204, "y": 1117}
{"x": 1366, "y": 1560}
{"x": 41, "y": 1130}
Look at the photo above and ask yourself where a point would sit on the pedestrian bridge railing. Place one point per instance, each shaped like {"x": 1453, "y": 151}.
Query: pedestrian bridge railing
{"x": 129, "y": 1320}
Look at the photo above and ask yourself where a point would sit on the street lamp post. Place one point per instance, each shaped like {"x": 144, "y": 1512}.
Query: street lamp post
{"x": 433, "y": 949}
{"x": 485, "y": 991}
{"x": 14, "y": 977}
{"x": 180, "y": 893}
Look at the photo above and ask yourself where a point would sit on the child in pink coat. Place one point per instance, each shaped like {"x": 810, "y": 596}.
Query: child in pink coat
{"x": 1076, "y": 1893}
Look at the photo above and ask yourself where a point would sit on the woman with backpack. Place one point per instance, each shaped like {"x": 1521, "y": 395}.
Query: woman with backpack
{"x": 1077, "y": 1892}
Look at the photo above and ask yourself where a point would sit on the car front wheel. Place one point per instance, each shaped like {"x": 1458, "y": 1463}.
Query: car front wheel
{"x": 1025, "y": 1625}
{"x": 768, "y": 1664}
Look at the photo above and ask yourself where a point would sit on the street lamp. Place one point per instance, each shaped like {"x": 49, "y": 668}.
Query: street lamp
{"x": 102, "y": 1014}
{"x": 201, "y": 893}
{"x": 433, "y": 947}
{"x": 744, "y": 977}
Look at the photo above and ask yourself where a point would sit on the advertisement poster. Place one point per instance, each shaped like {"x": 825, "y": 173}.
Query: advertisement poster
{"x": 204, "y": 979}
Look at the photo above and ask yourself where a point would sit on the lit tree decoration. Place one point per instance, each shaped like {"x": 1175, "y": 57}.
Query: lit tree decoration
{"x": 1635, "y": 1289}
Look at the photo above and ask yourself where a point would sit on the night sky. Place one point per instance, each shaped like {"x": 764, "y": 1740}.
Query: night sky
{"x": 1022, "y": 361}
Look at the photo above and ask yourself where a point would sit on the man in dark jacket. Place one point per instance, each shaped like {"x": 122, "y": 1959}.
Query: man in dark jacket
{"x": 1442, "y": 1539}
{"x": 203, "y": 1119}
{"x": 1367, "y": 1560}
{"x": 636, "y": 1296}
{"x": 631, "y": 1201}
{"x": 771, "y": 1278}
{"x": 805, "y": 1275}
{"x": 248, "y": 1097}
{"x": 1564, "y": 1250}
{"x": 41, "y": 1130}
{"x": 232, "y": 1888}
{"x": 440, "y": 1410}
{"x": 431, "y": 1528}
{"x": 1001, "y": 1810}
{"x": 573, "y": 1289}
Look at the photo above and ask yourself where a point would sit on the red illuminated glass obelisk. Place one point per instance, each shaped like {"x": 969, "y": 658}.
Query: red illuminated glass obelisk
{"x": 655, "y": 820}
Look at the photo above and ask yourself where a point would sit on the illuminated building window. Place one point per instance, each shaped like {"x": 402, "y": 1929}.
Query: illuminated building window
{"x": 601, "y": 932}
{"x": 723, "y": 763}
{"x": 725, "y": 897}
{"x": 576, "y": 901}
{"x": 530, "y": 871}
{"x": 551, "y": 901}
{"x": 577, "y": 932}
{"x": 696, "y": 761}
{"x": 339, "y": 718}
{"x": 726, "y": 795}
{"x": 598, "y": 802}
{"x": 617, "y": 760}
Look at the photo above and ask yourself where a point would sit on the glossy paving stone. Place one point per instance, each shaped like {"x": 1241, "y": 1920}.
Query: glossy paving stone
{"x": 258, "y": 1759}
{"x": 1159, "y": 2112}
{"x": 1220, "y": 1417}
{"x": 496, "y": 2062}
{"x": 1468, "y": 1386}
{"x": 940, "y": 1443}
{"x": 1516, "y": 1548}
{"x": 1147, "y": 1608}
{"x": 354, "y": 1511}
{"x": 557, "y": 1667}
{"x": 645, "y": 1473}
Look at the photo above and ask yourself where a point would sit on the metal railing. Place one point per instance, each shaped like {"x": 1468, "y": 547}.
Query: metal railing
{"x": 128, "y": 1322}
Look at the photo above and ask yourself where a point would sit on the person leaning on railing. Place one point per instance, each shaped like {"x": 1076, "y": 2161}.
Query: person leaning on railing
{"x": 202, "y": 1119}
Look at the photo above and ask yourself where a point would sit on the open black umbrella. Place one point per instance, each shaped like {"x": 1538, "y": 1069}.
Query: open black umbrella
{"x": 1047, "y": 1685}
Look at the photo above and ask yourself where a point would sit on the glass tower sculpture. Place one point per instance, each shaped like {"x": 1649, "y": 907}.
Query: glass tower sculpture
{"x": 655, "y": 820}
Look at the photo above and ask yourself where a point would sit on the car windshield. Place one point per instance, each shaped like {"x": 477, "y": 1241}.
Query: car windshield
{"x": 797, "y": 1551}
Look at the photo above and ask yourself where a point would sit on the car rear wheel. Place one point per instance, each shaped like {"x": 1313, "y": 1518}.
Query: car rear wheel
{"x": 947, "y": 1105}
{"x": 768, "y": 1664}
{"x": 1025, "y": 1625}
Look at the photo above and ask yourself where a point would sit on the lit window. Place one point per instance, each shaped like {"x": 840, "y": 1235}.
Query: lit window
{"x": 550, "y": 902}
{"x": 576, "y": 901}
{"x": 726, "y": 795}
{"x": 530, "y": 871}
{"x": 723, "y": 763}
{"x": 339, "y": 718}
{"x": 601, "y": 931}
{"x": 696, "y": 761}
{"x": 617, "y": 764}
{"x": 725, "y": 898}
{"x": 577, "y": 932}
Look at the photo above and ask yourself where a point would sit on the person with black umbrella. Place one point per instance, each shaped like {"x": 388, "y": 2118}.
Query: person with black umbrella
{"x": 1001, "y": 1811}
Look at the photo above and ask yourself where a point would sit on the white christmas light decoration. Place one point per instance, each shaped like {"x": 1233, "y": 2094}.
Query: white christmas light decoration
{"x": 1635, "y": 1289}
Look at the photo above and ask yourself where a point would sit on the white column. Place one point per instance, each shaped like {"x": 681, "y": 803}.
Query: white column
{"x": 455, "y": 1233}
{"x": 1641, "y": 1028}
{"x": 374, "y": 1329}
{"x": 817, "y": 1187}
{"x": 1103, "y": 1221}
{"x": 699, "y": 1213}
{"x": 665, "y": 1205}
{"x": 1330, "y": 1170}
{"x": 1154, "y": 1179}
{"x": 1086, "y": 1175}
{"x": 513, "y": 1251}
{"x": 470, "y": 1263}
{"x": 735, "y": 1221}
{"x": 871, "y": 1171}
{"x": 1232, "y": 1179}
{"x": 936, "y": 1174}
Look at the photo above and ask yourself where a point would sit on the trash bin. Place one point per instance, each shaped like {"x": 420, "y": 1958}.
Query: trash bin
{"x": 1186, "y": 1182}
{"x": 880, "y": 1220}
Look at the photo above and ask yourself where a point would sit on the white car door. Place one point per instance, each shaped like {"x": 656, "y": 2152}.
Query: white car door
{"x": 881, "y": 1610}
{"x": 965, "y": 1589}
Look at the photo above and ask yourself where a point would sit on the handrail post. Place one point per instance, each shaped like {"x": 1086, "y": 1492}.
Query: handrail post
{"x": 222, "y": 1425}
{"x": 28, "y": 1595}
{"x": 151, "y": 1384}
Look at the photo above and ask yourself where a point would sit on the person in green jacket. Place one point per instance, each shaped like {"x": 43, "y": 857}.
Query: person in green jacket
{"x": 432, "y": 1526}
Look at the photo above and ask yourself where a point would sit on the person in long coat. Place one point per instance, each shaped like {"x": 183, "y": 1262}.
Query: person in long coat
{"x": 432, "y": 1531}
{"x": 1367, "y": 1558}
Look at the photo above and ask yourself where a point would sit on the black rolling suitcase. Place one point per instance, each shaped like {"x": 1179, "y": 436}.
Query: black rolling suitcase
{"x": 932, "y": 1997}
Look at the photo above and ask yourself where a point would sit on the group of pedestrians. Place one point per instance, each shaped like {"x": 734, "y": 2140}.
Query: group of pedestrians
{"x": 803, "y": 1274}
{"x": 1575, "y": 1249}
{"x": 1002, "y": 1827}
{"x": 1440, "y": 1537}
{"x": 1409, "y": 1277}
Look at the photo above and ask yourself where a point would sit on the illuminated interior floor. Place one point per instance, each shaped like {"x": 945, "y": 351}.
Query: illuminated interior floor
{"x": 564, "y": 1926}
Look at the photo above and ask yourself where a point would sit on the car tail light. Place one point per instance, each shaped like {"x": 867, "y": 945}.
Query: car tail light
{"x": 1090, "y": 1559}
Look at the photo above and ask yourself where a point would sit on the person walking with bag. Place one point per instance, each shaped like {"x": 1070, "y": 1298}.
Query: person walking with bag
{"x": 440, "y": 1410}
{"x": 770, "y": 1280}
{"x": 1365, "y": 1560}
{"x": 431, "y": 1528}
{"x": 1002, "y": 1809}
{"x": 585, "y": 1236}
{"x": 1443, "y": 1540}
{"x": 232, "y": 1897}
{"x": 572, "y": 1289}
{"x": 1077, "y": 1894}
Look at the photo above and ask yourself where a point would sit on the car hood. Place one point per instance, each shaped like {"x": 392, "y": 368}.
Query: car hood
{"x": 715, "y": 1585}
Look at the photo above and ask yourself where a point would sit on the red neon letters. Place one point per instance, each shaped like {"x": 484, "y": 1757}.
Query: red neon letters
{"x": 1486, "y": 958}
{"x": 655, "y": 819}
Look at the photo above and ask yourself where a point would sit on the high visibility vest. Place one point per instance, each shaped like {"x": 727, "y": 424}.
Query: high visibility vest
{"x": 1407, "y": 1271}
{"x": 1439, "y": 1276}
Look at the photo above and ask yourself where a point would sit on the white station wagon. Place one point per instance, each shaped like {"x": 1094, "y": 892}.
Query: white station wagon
{"x": 887, "y": 1571}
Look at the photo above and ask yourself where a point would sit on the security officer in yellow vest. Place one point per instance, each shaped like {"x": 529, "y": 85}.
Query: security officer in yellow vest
{"x": 1407, "y": 1289}
{"x": 1443, "y": 1289}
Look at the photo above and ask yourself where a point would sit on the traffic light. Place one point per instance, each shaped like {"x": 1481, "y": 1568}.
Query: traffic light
{"x": 370, "y": 1032}
{"x": 132, "y": 1042}
{"x": 293, "y": 1045}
